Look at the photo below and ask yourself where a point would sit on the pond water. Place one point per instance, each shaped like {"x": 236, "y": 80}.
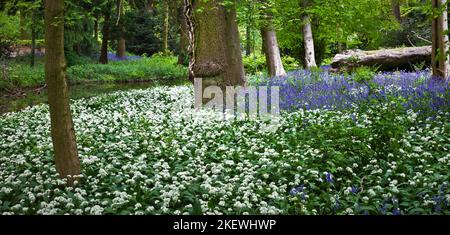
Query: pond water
{"x": 31, "y": 97}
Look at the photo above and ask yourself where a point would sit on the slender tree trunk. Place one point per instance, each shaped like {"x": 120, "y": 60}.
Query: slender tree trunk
{"x": 440, "y": 41}
{"x": 396, "y": 10}
{"x": 106, "y": 31}
{"x": 121, "y": 44}
{"x": 121, "y": 48}
{"x": 272, "y": 51}
{"x": 62, "y": 129}
{"x": 310, "y": 60}
{"x": 273, "y": 57}
{"x": 184, "y": 38}
{"x": 33, "y": 40}
{"x": 248, "y": 42}
{"x": 23, "y": 32}
{"x": 435, "y": 41}
{"x": 96, "y": 29}
{"x": 216, "y": 56}
{"x": 166, "y": 27}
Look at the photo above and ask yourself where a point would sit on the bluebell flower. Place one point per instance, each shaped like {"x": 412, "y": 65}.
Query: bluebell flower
{"x": 296, "y": 190}
{"x": 354, "y": 190}
{"x": 396, "y": 211}
{"x": 312, "y": 90}
{"x": 329, "y": 177}
{"x": 383, "y": 209}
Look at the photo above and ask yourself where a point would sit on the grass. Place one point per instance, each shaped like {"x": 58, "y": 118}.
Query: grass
{"x": 21, "y": 75}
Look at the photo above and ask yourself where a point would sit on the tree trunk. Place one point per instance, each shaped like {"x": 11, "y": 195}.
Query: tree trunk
{"x": 386, "y": 59}
{"x": 121, "y": 44}
{"x": 440, "y": 42}
{"x": 121, "y": 48}
{"x": 248, "y": 42}
{"x": 273, "y": 57}
{"x": 62, "y": 129}
{"x": 96, "y": 30}
{"x": 396, "y": 10}
{"x": 310, "y": 60}
{"x": 166, "y": 27}
{"x": 23, "y": 31}
{"x": 33, "y": 40}
{"x": 104, "y": 49}
{"x": 184, "y": 38}
{"x": 216, "y": 56}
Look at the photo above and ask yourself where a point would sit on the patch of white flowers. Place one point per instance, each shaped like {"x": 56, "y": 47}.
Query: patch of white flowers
{"x": 150, "y": 152}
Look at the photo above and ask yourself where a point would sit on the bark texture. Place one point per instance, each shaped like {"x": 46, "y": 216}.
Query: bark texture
{"x": 270, "y": 42}
{"x": 62, "y": 129}
{"x": 217, "y": 57}
{"x": 387, "y": 59}
{"x": 248, "y": 40}
{"x": 121, "y": 44}
{"x": 310, "y": 60}
{"x": 166, "y": 27}
{"x": 395, "y": 4}
{"x": 33, "y": 39}
{"x": 105, "y": 40}
{"x": 440, "y": 42}
{"x": 184, "y": 37}
{"x": 272, "y": 52}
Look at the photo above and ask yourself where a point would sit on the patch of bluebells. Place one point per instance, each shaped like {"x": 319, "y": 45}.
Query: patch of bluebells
{"x": 303, "y": 89}
{"x": 114, "y": 58}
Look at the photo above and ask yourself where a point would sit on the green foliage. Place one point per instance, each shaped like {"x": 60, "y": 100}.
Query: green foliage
{"x": 363, "y": 74}
{"x": 8, "y": 34}
{"x": 290, "y": 63}
{"x": 254, "y": 63}
{"x": 145, "y": 69}
{"x": 27, "y": 42}
{"x": 142, "y": 33}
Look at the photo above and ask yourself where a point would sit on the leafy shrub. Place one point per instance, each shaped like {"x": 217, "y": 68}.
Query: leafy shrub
{"x": 145, "y": 69}
{"x": 290, "y": 63}
{"x": 254, "y": 63}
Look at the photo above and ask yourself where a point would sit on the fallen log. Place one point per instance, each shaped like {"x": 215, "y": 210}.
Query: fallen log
{"x": 385, "y": 59}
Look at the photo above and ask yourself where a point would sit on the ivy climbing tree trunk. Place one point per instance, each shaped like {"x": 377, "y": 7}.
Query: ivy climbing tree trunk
{"x": 310, "y": 60}
{"x": 62, "y": 129}
{"x": 440, "y": 41}
{"x": 217, "y": 55}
